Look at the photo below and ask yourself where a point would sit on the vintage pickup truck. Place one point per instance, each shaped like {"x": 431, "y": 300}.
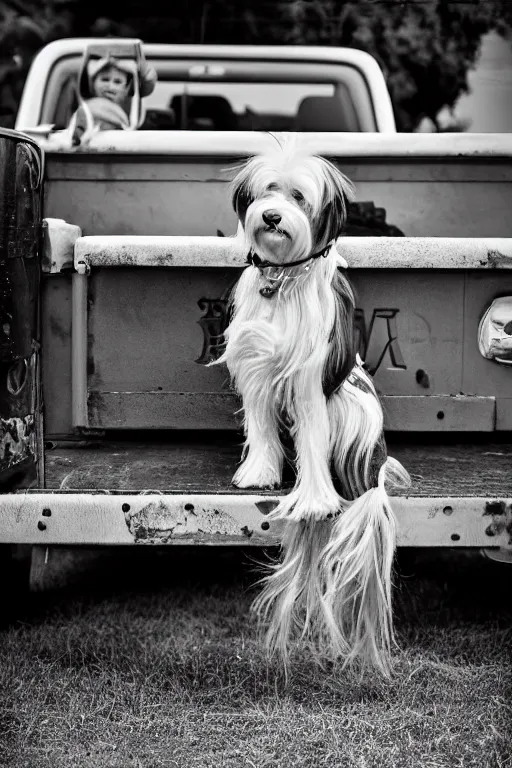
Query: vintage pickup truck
{"x": 115, "y": 268}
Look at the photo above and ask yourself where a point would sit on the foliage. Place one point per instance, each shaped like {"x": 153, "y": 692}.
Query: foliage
{"x": 25, "y": 26}
{"x": 425, "y": 47}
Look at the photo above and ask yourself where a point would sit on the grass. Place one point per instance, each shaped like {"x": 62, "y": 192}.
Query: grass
{"x": 160, "y": 666}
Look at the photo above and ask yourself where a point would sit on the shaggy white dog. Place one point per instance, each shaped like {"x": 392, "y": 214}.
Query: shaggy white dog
{"x": 290, "y": 354}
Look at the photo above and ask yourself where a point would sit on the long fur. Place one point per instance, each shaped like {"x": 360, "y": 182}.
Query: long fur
{"x": 291, "y": 356}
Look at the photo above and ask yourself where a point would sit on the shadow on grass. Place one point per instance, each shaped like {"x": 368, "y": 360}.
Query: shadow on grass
{"x": 186, "y": 612}
{"x": 431, "y": 586}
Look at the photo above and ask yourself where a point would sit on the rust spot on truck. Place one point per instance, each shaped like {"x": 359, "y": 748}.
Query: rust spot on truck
{"x": 495, "y": 508}
{"x": 496, "y": 259}
{"x": 494, "y": 529}
{"x": 162, "y": 520}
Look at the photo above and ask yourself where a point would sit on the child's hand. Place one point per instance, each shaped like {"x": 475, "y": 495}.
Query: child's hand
{"x": 148, "y": 78}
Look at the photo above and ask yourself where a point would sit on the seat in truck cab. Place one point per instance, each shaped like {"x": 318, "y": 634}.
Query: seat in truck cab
{"x": 325, "y": 113}
{"x": 209, "y": 113}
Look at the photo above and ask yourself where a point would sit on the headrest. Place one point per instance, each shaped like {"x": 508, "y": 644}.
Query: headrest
{"x": 216, "y": 109}
{"x": 322, "y": 113}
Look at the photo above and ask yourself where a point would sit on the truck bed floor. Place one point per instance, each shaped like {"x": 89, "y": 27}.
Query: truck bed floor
{"x": 207, "y": 464}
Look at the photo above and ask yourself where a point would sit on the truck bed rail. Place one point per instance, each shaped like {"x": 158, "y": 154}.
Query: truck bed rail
{"x": 109, "y": 251}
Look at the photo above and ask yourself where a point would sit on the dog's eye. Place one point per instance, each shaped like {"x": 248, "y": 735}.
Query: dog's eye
{"x": 297, "y": 196}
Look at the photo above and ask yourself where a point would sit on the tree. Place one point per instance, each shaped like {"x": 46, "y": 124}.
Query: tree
{"x": 425, "y": 47}
{"x": 25, "y": 26}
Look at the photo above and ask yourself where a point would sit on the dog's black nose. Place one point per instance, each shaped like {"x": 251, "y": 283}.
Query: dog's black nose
{"x": 271, "y": 217}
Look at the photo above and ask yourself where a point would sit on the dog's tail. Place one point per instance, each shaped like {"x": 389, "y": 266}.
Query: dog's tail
{"x": 290, "y": 602}
{"x": 356, "y": 567}
{"x": 332, "y": 587}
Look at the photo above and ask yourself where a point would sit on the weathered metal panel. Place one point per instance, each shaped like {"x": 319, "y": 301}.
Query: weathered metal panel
{"x": 120, "y": 167}
{"x": 423, "y": 196}
{"x": 435, "y": 413}
{"x": 217, "y": 411}
{"x": 147, "y": 331}
{"x": 153, "y": 374}
{"x": 413, "y": 323}
{"x": 163, "y": 410}
{"x": 21, "y": 171}
{"x": 47, "y": 519}
{"x": 56, "y": 353}
{"x": 172, "y": 321}
{"x": 199, "y": 252}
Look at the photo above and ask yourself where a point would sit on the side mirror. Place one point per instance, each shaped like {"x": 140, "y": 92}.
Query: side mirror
{"x": 495, "y": 331}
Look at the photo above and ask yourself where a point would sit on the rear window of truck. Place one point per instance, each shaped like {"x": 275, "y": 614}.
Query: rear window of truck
{"x": 235, "y": 95}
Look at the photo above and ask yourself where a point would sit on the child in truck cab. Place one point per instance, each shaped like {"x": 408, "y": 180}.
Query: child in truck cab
{"x": 110, "y": 97}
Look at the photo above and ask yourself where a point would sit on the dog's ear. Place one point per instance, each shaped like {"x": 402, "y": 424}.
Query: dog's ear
{"x": 241, "y": 196}
{"x": 338, "y": 193}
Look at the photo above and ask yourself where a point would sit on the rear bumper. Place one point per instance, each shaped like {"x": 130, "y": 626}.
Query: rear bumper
{"x": 177, "y": 490}
{"x": 121, "y": 518}
{"x": 96, "y": 517}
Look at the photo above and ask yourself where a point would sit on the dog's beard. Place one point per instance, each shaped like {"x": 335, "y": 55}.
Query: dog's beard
{"x": 287, "y": 241}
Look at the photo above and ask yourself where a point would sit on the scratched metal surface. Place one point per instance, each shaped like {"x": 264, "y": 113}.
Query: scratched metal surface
{"x": 207, "y": 466}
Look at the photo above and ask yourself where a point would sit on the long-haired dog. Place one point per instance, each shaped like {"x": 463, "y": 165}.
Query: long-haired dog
{"x": 291, "y": 356}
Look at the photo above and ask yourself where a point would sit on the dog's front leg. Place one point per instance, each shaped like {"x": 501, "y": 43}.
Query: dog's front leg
{"x": 314, "y": 495}
{"x": 262, "y": 464}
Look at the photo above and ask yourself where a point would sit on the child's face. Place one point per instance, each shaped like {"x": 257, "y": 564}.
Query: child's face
{"x": 111, "y": 83}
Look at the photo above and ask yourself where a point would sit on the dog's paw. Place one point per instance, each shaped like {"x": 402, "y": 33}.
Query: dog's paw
{"x": 250, "y": 476}
{"x": 300, "y": 504}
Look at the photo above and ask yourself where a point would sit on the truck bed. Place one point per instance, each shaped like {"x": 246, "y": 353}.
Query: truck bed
{"x": 176, "y": 489}
{"x": 195, "y": 464}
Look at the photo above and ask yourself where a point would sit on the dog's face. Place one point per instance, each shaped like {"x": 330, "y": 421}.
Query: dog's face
{"x": 290, "y": 204}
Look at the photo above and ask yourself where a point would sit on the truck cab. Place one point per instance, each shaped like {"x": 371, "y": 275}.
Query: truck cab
{"x": 226, "y": 88}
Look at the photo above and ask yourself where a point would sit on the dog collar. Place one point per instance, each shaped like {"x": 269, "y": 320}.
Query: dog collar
{"x": 256, "y": 261}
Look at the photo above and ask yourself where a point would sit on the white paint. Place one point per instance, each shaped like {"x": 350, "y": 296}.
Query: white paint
{"x": 359, "y": 252}
{"x": 59, "y": 240}
{"x": 231, "y": 144}
{"x": 87, "y": 518}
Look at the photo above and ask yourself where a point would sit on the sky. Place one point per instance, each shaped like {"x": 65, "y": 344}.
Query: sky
{"x": 489, "y": 105}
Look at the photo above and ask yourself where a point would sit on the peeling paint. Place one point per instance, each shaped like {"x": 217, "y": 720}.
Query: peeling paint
{"x": 495, "y": 508}
{"x": 17, "y": 440}
{"x": 160, "y": 521}
{"x": 495, "y": 528}
{"x": 496, "y": 259}
{"x": 360, "y": 252}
